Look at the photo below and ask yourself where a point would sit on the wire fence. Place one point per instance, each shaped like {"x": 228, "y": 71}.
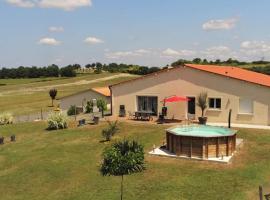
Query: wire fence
{"x": 44, "y": 115}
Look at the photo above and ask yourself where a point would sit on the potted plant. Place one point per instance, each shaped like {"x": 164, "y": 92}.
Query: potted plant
{"x": 202, "y": 103}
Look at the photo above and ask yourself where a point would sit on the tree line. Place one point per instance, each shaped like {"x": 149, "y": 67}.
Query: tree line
{"x": 37, "y": 72}
{"x": 122, "y": 68}
{"x": 71, "y": 70}
{"x": 230, "y": 61}
{"x": 260, "y": 66}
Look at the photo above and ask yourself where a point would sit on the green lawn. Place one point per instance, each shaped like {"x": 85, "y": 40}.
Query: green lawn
{"x": 44, "y": 165}
{"x": 24, "y": 96}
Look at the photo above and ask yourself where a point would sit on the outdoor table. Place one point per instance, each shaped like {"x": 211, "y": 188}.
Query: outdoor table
{"x": 144, "y": 115}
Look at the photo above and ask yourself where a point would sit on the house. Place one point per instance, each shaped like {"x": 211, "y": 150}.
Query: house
{"x": 245, "y": 92}
{"x": 80, "y": 99}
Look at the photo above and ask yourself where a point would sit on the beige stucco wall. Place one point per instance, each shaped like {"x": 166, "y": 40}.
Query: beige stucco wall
{"x": 186, "y": 81}
{"x": 81, "y": 98}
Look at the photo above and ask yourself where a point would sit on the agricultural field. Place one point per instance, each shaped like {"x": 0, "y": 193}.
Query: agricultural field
{"x": 25, "y": 96}
{"x": 64, "y": 165}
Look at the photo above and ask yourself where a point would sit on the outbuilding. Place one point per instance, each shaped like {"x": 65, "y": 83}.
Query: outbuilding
{"x": 80, "y": 99}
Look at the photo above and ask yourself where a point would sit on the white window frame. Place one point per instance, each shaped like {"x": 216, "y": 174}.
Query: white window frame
{"x": 215, "y": 103}
{"x": 251, "y": 108}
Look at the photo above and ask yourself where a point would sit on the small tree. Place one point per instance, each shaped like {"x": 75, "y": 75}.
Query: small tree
{"x": 53, "y": 94}
{"x": 202, "y": 102}
{"x": 102, "y": 106}
{"x": 123, "y": 158}
{"x": 111, "y": 130}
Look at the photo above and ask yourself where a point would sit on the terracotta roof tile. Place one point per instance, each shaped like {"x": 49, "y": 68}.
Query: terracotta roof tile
{"x": 234, "y": 72}
{"x": 228, "y": 71}
{"x": 103, "y": 90}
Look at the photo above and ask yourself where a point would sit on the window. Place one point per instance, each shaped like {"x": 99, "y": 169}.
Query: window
{"x": 148, "y": 103}
{"x": 214, "y": 103}
{"x": 245, "y": 106}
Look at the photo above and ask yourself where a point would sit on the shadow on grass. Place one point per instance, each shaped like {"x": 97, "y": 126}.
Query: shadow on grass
{"x": 104, "y": 141}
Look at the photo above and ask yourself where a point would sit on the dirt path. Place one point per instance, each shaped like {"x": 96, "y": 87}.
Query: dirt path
{"x": 26, "y": 90}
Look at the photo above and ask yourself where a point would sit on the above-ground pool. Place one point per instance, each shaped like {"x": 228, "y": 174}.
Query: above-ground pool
{"x": 201, "y": 141}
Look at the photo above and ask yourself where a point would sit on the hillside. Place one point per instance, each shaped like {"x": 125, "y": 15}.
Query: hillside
{"x": 24, "y": 96}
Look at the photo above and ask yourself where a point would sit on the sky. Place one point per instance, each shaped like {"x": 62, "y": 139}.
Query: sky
{"x": 144, "y": 32}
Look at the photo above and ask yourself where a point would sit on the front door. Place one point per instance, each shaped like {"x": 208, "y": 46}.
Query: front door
{"x": 191, "y": 105}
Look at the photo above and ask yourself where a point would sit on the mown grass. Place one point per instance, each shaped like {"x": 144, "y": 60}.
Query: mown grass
{"x": 18, "y": 100}
{"x": 65, "y": 165}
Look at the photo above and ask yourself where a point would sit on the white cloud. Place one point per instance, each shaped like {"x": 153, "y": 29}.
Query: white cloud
{"x": 220, "y": 24}
{"x": 255, "y": 45}
{"x": 21, "y": 3}
{"x": 120, "y": 54}
{"x": 49, "y": 41}
{"x": 142, "y": 51}
{"x": 93, "y": 40}
{"x": 60, "y": 4}
{"x": 218, "y": 52}
{"x": 170, "y": 52}
{"x": 173, "y": 53}
{"x": 128, "y": 54}
{"x": 64, "y": 4}
{"x": 56, "y": 29}
{"x": 259, "y": 48}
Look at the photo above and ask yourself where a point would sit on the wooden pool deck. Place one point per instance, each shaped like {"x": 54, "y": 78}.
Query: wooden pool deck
{"x": 225, "y": 159}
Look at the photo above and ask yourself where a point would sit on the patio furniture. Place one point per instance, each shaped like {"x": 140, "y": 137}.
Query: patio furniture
{"x": 96, "y": 120}
{"x": 122, "y": 111}
{"x": 131, "y": 115}
{"x": 2, "y": 140}
{"x": 81, "y": 122}
{"x": 13, "y": 138}
{"x": 161, "y": 118}
{"x": 164, "y": 111}
{"x": 144, "y": 115}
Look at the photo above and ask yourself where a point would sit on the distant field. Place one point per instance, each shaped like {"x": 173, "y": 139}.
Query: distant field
{"x": 64, "y": 165}
{"x": 253, "y": 65}
{"x": 24, "y": 96}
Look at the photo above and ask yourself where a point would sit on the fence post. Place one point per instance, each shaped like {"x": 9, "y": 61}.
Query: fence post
{"x": 261, "y": 192}
{"x": 75, "y": 113}
{"x": 41, "y": 114}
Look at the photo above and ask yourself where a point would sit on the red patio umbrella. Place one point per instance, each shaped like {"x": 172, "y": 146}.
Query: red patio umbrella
{"x": 175, "y": 99}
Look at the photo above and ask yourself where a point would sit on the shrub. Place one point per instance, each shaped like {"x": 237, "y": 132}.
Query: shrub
{"x": 71, "y": 110}
{"x": 89, "y": 107}
{"x": 112, "y": 129}
{"x": 57, "y": 120}
{"x": 68, "y": 71}
{"x": 6, "y": 118}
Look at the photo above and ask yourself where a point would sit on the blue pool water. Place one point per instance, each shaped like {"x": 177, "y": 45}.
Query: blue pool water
{"x": 201, "y": 131}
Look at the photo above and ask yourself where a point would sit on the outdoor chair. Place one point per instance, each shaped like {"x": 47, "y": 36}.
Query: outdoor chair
{"x": 96, "y": 120}
{"x": 12, "y": 138}
{"x": 2, "y": 140}
{"x": 137, "y": 115}
{"x": 161, "y": 118}
{"x": 122, "y": 111}
{"x": 81, "y": 122}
